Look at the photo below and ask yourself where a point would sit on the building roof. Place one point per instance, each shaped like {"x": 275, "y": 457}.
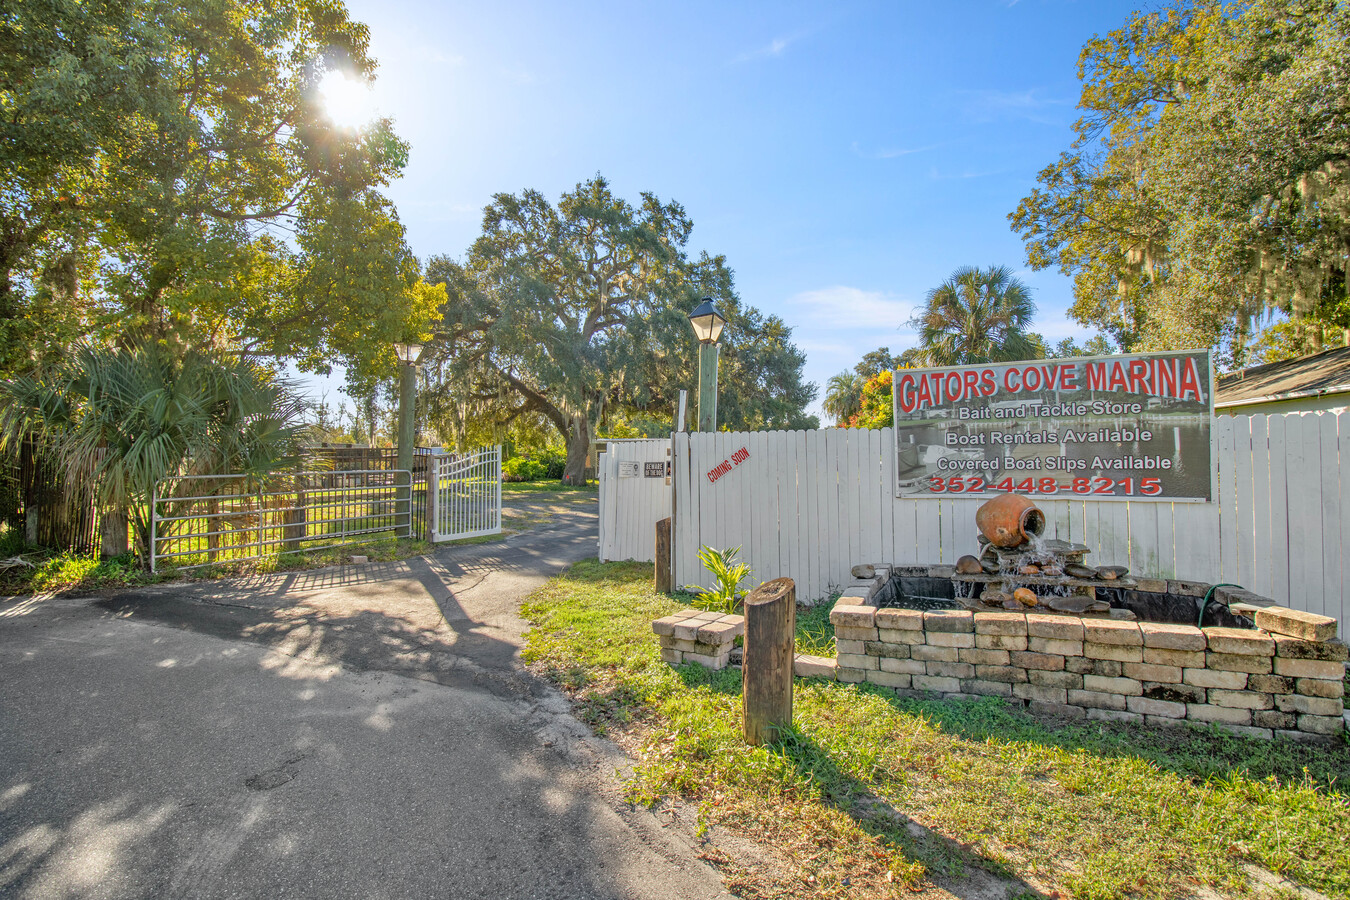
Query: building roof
{"x": 1322, "y": 373}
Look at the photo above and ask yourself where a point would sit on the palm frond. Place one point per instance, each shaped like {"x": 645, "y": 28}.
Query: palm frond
{"x": 123, "y": 419}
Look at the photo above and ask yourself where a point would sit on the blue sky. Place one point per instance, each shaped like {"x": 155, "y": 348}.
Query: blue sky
{"x": 845, "y": 157}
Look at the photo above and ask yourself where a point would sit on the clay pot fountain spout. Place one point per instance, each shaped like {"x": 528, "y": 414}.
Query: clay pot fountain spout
{"x": 1009, "y": 520}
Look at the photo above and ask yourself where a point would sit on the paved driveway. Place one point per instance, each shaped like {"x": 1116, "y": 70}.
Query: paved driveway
{"x": 351, "y": 732}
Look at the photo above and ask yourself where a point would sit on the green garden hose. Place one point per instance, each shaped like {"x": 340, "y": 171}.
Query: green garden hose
{"x": 1210, "y": 593}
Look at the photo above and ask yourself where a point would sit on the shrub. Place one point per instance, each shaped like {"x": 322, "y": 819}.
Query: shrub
{"x": 554, "y": 460}
{"x": 523, "y": 468}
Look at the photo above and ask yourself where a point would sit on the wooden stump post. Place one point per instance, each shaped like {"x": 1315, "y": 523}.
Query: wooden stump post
{"x": 770, "y": 628}
{"x": 114, "y": 534}
{"x": 663, "y": 575}
{"x": 295, "y": 519}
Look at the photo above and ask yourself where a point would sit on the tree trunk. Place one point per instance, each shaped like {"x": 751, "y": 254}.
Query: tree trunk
{"x": 578, "y": 448}
{"x": 140, "y": 531}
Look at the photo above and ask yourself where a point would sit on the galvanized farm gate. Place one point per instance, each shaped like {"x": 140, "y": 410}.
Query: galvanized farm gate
{"x": 209, "y": 520}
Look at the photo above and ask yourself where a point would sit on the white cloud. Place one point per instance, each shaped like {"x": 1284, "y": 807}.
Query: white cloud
{"x": 517, "y": 74}
{"x": 934, "y": 174}
{"x": 841, "y": 307}
{"x": 774, "y": 48}
{"x": 1032, "y": 105}
{"x": 824, "y": 348}
{"x": 891, "y": 152}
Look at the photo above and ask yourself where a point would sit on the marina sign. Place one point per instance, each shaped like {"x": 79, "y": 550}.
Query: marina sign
{"x": 1133, "y": 427}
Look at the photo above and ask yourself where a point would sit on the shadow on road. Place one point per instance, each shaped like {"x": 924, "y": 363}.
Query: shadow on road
{"x": 166, "y": 763}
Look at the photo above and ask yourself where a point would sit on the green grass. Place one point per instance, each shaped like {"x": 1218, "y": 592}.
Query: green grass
{"x": 520, "y": 488}
{"x": 815, "y": 634}
{"x": 49, "y": 571}
{"x": 1094, "y": 812}
{"x": 65, "y": 571}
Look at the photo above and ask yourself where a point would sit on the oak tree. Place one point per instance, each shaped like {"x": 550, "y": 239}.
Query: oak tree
{"x": 1209, "y": 182}
{"x": 168, "y": 169}
{"x": 567, "y": 314}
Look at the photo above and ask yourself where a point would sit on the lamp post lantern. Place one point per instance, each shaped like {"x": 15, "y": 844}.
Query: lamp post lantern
{"x": 707, "y": 322}
{"x": 408, "y": 357}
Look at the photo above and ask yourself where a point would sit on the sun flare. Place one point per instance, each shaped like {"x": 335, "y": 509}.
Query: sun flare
{"x": 347, "y": 101}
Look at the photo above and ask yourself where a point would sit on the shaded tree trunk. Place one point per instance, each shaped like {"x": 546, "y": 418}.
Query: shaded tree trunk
{"x": 578, "y": 438}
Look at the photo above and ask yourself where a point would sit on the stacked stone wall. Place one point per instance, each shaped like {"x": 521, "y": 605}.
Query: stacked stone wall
{"x": 1284, "y": 677}
{"x": 695, "y": 636}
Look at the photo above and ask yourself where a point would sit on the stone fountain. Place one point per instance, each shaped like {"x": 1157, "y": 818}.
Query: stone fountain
{"x": 1019, "y": 569}
{"x": 1027, "y": 619}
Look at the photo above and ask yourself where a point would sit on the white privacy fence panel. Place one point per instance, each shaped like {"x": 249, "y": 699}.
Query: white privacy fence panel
{"x": 811, "y": 504}
{"x": 468, "y": 491}
{"x": 633, "y": 498}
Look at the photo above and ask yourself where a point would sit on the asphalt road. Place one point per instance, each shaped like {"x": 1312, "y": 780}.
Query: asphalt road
{"x": 363, "y": 731}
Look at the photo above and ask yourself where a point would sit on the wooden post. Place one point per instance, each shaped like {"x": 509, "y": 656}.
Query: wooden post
{"x": 663, "y": 578}
{"x": 113, "y": 534}
{"x": 295, "y": 519}
{"x": 770, "y": 629}
{"x": 707, "y": 386}
{"x": 213, "y": 526}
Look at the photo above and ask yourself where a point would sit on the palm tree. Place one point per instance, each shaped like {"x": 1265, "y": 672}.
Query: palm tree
{"x": 122, "y": 419}
{"x": 975, "y": 316}
{"x": 843, "y": 396}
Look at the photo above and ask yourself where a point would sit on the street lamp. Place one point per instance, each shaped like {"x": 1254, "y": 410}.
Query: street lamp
{"x": 707, "y": 322}
{"x": 408, "y": 355}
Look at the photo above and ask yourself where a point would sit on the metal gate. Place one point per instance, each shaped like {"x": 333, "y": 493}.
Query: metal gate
{"x": 227, "y": 520}
{"x": 468, "y": 491}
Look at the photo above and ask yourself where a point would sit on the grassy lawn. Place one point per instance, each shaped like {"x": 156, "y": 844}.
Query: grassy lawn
{"x": 529, "y": 488}
{"x": 871, "y": 795}
{"x": 50, "y": 571}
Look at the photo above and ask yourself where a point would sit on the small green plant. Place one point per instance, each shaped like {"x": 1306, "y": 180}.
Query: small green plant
{"x": 729, "y": 574}
{"x": 553, "y": 460}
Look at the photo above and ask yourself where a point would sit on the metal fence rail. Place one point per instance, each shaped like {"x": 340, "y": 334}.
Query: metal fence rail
{"x": 208, "y": 520}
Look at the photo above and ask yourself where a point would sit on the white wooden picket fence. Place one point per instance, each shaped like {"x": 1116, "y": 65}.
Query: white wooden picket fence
{"x": 631, "y": 503}
{"x": 811, "y": 504}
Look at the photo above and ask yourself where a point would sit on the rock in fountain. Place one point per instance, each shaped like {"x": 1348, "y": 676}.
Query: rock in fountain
{"x": 968, "y": 565}
{"x": 1018, "y": 568}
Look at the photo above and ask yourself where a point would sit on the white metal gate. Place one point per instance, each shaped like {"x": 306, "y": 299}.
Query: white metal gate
{"x": 467, "y": 488}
